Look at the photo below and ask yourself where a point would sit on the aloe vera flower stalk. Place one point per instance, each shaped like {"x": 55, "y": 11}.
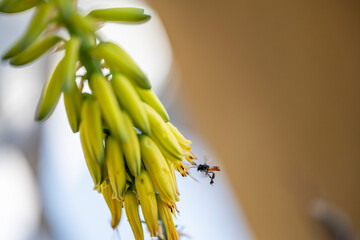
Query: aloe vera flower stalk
{"x": 131, "y": 149}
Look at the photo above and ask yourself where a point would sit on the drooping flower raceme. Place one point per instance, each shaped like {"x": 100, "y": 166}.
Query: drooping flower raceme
{"x": 131, "y": 149}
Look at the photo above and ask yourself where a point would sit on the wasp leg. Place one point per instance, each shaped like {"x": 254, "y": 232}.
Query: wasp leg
{"x": 212, "y": 177}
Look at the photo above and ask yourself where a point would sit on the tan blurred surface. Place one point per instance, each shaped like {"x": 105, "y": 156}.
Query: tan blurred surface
{"x": 274, "y": 87}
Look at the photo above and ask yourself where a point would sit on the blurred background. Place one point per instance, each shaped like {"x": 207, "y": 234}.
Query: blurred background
{"x": 268, "y": 90}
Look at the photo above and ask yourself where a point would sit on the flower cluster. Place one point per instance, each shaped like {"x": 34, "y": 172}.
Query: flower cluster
{"x": 131, "y": 149}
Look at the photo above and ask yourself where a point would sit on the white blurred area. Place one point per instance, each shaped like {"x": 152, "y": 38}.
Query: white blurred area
{"x": 70, "y": 208}
{"x": 19, "y": 203}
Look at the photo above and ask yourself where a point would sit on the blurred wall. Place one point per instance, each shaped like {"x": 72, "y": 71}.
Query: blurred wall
{"x": 274, "y": 87}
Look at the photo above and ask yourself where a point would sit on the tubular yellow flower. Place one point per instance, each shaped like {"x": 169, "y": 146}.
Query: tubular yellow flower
{"x": 72, "y": 48}
{"x": 132, "y": 213}
{"x": 149, "y": 97}
{"x": 115, "y": 166}
{"x": 72, "y": 101}
{"x": 120, "y": 61}
{"x": 14, "y": 6}
{"x": 184, "y": 143}
{"x": 158, "y": 169}
{"x": 131, "y": 147}
{"x": 91, "y": 121}
{"x": 173, "y": 176}
{"x": 93, "y": 167}
{"x": 166, "y": 216}
{"x": 130, "y": 101}
{"x": 35, "y": 50}
{"x": 162, "y": 133}
{"x": 145, "y": 190}
{"x": 50, "y": 94}
{"x": 114, "y": 205}
{"x": 130, "y": 15}
{"x": 44, "y": 14}
{"x": 109, "y": 106}
{"x": 176, "y": 160}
